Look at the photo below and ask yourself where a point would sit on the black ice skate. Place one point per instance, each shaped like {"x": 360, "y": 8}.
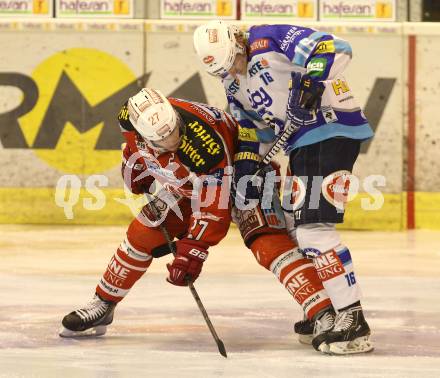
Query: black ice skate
{"x": 92, "y": 320}
{"x": 350, "y": 334}
{"x": 324, "y": 323}
{"x": 304, "y": 330}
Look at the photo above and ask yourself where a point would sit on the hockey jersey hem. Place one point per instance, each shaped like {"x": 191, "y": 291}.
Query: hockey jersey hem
{"x": 361, "y": 132}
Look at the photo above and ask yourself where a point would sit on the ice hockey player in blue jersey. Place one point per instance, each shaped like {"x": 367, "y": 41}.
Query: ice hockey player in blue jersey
{"x": 256, "y": 67}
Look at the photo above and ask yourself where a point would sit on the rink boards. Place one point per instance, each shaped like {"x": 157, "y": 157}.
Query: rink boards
{"x": 64, "y": 81}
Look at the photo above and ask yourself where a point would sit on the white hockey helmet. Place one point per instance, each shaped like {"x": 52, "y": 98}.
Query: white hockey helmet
{"x": 152, "y": 115}
{"x": 216, "y": 46}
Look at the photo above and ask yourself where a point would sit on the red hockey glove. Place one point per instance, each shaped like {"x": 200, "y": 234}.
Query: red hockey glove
{"x": 188, "y": 262}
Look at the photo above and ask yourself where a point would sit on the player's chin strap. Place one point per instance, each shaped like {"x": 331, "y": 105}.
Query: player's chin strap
{"x": 172, "y": 248}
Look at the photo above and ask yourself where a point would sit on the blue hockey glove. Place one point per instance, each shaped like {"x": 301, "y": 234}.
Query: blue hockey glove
{"x": 304, "y": 98}
{"x": 246, "y": 163}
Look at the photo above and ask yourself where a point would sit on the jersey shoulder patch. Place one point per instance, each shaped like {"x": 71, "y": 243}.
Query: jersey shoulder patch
{"x": 278, "y": 38}
{"x": 265, "y": 38}
{"x": 260, "y": 40}
{"x": 201, "y": 147}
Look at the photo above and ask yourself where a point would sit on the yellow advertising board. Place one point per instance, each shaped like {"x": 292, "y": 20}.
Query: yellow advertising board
{"x": 198, "y": 9}
{"x": 280, "y": 10}
{"x": 357, "y": 10}
{"x": 26, "y": 8}
{"x": 94, "y": 8}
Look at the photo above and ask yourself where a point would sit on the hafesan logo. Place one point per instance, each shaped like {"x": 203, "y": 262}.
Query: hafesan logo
{"x": 83, "y": 80}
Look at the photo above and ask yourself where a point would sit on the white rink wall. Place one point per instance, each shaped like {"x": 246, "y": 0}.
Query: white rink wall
{"x": 75, "y": 74}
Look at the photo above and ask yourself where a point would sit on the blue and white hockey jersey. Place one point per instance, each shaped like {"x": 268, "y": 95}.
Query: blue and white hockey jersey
{"x": 261, "y": 96}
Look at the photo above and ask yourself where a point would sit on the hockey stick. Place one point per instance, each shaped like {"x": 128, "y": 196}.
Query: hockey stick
{"x": 218, "y": 341}
{"x": 282, "y": 139}
{"x": 289, "y": 130}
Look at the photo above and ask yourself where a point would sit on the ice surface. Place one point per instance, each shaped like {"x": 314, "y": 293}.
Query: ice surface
{"x": 159, "y": 332}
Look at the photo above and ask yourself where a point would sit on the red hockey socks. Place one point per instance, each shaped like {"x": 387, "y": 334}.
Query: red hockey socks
{"x": 279, "y": 254}
{"x": 126, "y": 266}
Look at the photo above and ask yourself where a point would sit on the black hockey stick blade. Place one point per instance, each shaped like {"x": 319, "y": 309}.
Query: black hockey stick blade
{"x": 218, "y": 341}
{"x": 221, "y": 348}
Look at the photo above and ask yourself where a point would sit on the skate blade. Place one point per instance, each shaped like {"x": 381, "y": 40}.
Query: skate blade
{"x": 92, "y": 332}
{"x": 324, "y": 348}
{"x": 305, "y": 339}
{"x": 359, "y": 345}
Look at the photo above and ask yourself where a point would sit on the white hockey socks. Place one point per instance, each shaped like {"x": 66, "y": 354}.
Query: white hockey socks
{"x": 332, "y": 260}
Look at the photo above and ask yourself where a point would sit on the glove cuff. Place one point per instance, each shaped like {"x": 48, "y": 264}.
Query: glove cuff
{"x": 247, "y": 155}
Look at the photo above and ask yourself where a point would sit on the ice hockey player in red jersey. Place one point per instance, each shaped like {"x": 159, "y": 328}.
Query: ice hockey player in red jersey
{"x": 181, "y": 153}
{"x": 186, "y": 148}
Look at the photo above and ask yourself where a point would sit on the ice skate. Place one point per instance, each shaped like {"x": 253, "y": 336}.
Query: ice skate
{"x": 351, "y": 333}
{"x": 304, "y": 330}
{"x": 91, "y": 320}
{"x": 323, "y": 324}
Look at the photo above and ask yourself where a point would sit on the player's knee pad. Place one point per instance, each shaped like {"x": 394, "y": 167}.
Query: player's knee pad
{"x": 126, "y": 266}
{"x": 255, "y": 222}
{"x": 133, "y": 254}
{"x": 332, "y": 260}
{"x": 317, "y": 236}
{"x": 144, "y": 238}
{"x": 264, "y": 217}
{"x": 268, "y": 247}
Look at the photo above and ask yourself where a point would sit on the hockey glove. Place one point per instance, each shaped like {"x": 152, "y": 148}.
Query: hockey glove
{"x": 188, "y": 262}
{"x": 246, "y": 165}
{"x": 304, "y": 98}
{"x": 311, "y": 91}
